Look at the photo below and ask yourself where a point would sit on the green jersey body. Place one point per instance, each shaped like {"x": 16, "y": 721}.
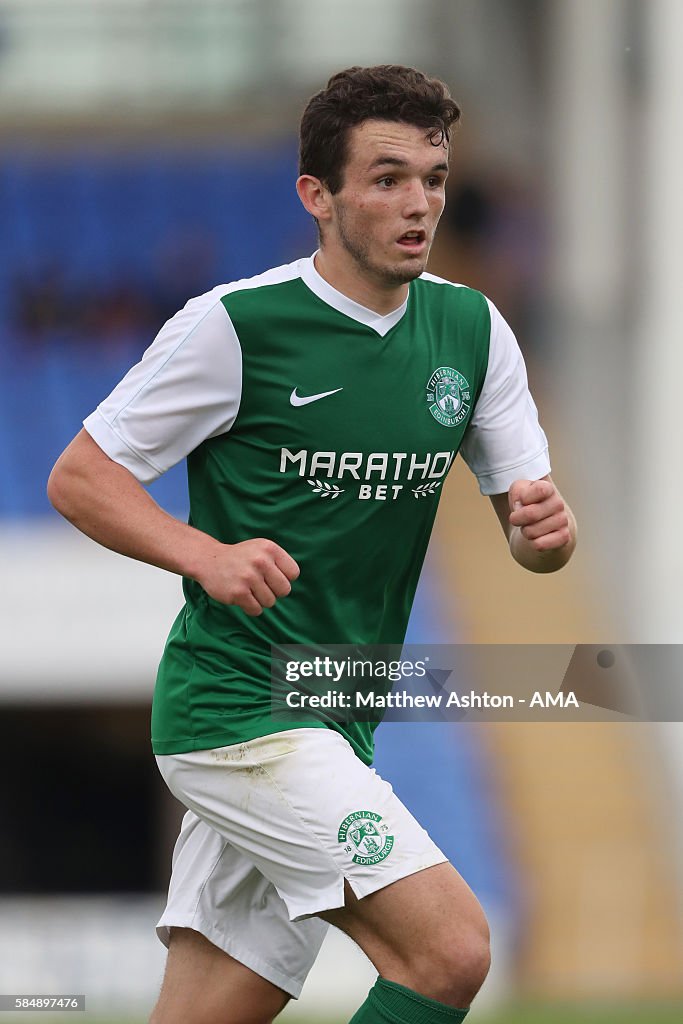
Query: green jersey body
{"x": 338, "y": 445}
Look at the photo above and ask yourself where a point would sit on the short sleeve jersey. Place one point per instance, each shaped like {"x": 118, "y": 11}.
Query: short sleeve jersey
{"x": 319, "y": 424}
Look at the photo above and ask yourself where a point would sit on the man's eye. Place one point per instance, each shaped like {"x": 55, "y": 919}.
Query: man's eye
{"x": 434, "y": 182}
{"x": 387, "y": 181}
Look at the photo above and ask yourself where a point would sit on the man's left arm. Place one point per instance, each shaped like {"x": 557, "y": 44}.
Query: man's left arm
{"x": 538, "y": 523}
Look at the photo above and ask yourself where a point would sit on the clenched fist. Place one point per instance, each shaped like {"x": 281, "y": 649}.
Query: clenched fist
{"x": 538, "y": 509}
{"x": 251, "y": 574}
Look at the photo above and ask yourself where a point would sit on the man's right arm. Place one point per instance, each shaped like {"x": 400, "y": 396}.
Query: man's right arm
{"x": 105, "y": 501}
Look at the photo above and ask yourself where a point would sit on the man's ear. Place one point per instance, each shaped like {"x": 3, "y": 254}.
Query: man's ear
{"x": 315, "y": 197}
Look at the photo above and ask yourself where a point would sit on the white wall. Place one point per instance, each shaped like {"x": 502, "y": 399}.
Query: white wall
{"x": 78, "y": 622}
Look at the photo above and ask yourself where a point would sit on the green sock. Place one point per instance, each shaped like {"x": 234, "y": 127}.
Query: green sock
{"x": 390, "y": 1003}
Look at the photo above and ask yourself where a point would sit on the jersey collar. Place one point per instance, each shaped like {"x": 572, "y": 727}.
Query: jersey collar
{"x": 343, "y": 304}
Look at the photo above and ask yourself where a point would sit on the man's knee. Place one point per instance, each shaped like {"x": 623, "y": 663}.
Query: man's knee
{"x": 444, "y": 955}
{"x": 454, "y": 966}
{"x": 466, "y": 968}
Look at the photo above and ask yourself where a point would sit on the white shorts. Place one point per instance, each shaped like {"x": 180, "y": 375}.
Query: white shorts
{"x": 274, "y": 827}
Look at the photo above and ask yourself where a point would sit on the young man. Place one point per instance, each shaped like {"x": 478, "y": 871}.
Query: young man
{"x": 319, "y": 406}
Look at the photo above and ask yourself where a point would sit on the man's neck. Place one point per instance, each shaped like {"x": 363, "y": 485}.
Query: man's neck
{"x": 354, "y": 284}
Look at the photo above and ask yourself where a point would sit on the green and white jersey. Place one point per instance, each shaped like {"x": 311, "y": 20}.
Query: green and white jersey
{"x": 313, "y": 421}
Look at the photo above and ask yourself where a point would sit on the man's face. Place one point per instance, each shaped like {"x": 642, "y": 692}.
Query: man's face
{"x": 392, "y": 196}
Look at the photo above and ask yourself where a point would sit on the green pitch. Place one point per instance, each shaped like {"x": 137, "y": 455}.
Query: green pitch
{"x": 565, "y": 1015}
{"x": 652, "y": 1014}
{"x": 582, "y": 1015}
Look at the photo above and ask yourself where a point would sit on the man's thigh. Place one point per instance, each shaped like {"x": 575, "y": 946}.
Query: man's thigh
{"x": 421, "y": 912}
{"x": 204, "y": 985}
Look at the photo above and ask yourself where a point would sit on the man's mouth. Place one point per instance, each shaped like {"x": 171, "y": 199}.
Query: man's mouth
{"x": 414, "y": 240}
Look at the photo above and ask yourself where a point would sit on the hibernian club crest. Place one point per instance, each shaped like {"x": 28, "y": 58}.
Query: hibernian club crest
{"x": 448, "y": 396}
{"x": 366, "y": 837}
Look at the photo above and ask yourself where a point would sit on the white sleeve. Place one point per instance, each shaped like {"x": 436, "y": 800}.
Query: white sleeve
{"x": 185, "y": 389}
{"x": 504, "y": 441}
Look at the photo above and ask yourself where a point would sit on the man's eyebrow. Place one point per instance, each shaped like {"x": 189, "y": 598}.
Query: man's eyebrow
{"x": 395, "y": 161}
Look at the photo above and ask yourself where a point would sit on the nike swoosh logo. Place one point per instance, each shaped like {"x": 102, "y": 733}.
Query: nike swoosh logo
{"x": 296, "y": 400}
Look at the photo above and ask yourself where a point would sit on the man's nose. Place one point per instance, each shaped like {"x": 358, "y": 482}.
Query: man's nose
{"x": 416, "y": 200}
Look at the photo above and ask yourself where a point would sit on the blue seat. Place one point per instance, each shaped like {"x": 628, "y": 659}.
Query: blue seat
{"x": 438, "y": 770}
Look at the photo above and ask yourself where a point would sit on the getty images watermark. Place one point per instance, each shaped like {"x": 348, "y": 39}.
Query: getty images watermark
{"x": 477, "y": 682}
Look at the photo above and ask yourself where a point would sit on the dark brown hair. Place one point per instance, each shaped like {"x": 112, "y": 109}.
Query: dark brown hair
{"x": 389, "y": 92}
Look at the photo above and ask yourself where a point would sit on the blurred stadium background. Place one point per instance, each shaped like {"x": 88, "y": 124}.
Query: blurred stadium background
{"x": 147, "y": 152}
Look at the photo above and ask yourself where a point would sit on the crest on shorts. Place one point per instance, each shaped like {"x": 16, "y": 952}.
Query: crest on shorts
{"x": 365, "y": 836}
{"x": 448, "y": 396}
